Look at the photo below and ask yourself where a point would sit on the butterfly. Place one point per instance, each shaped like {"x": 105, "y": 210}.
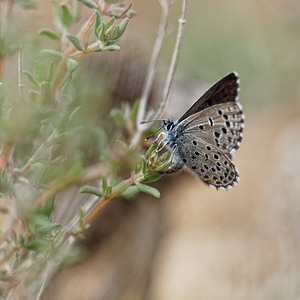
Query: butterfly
{"x": 205, "y": 137}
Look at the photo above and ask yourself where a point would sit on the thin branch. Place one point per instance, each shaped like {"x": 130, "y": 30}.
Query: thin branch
{"x": 5, "y": 155}
{"x": 20, "y": 72}
{"x": 35, "y": 155}
{"x": 104, "y": 200}
{"x": 182, "y": 21}
{"x": 6, "y": 10}
{"x": 62, "y": 66}
{"x": 152, "y": 65}
{"x": 89, "y": 174}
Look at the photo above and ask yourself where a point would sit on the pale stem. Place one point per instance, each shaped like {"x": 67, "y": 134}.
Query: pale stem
{"x": 152, "y": 65}
{"x": 166, "y": 91}
{"x": 105, "y": 199}
{"x": 88, "y": 175}
{"x": 20, "y": 72}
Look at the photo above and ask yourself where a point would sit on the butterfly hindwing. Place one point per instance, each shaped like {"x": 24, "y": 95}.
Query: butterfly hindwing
{"x": 210, "y": 164}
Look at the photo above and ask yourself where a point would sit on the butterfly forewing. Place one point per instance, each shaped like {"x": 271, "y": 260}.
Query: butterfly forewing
{"x": 225, "y": 90}
{"x": 220, "y": 125}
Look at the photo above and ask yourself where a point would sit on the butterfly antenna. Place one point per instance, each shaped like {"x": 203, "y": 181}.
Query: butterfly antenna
{"x": 145, "y": 122}
{"x": 151, "y": 135}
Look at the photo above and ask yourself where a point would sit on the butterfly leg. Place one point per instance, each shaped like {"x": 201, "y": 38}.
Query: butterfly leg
{"x": 177, "y": 164}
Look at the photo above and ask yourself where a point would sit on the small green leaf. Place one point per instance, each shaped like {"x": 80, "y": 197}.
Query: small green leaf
{"x": 75, "y": 41}
{"x": 73, "y": 114}
{"x": 151, "y": 149}
{"x": 47, "y": 206}
{"x": 36, "y": 244}
{"x": 51, "y": 52}
{"x": 49, "y": 33}
{"x": 31, "y": 78}
{"x": 39, "y": 71}
{"x": 28, "y": 4}
{"x": 14, "y": 237}
{"x": 148, "y": 190}
{"x": 75, "y": 10}
{"x": 71, "y": 65}
{"x": 50, "y": 71}
{"x": 129, "y": 192}
{"x": 109, "y": 24}
{"x": 111, "y": 1}
{"x": 134, "y": 110}
{"x": 137, "y": 167}
{"x": 76, "y": 167}
{"x": 110, "y": 48}
{"x": 77, "y": 229}
{"x": 104, "y": 183}
{"x": 100, "y": 32}
{"x": 151, "y": 178}
{"x": 86, "y": 44}
{"x": 81, "y": 212}
{"x": 67, "y": 17}
{"x": 90, "y": 190}
{"x": 57, "y": 16}
{"x": 86, "y": 226}
{"x": 43, "y": 230}
{"x": 89, "y": 3}
{"x": 118, "y": 117}
{"x": 108, "y": 190}
{"x": 164, "y": 166}
{"x": 122, "y": 26}
{"x": 97, "y": 22}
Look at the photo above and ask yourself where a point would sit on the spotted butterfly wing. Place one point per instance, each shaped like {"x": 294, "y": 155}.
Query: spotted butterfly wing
{"x": 223, "y": 91}
{"x": 205, "y": 136}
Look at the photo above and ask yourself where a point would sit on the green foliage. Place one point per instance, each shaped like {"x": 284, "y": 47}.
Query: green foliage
{"x": 58, "y": 127}
{"x": 89, "y": 3}
{"x": 75, "y": 41}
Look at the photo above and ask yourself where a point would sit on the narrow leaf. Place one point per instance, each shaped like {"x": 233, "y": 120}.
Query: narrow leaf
{"x": 111, "y": 1}
{"x": 57, "y": 16}
{"x": 67, "y": 17}
{"x": 100, "y": 32}
{"x": 51, "y": 52}
{"x": 75, "y": 10}
{"x": 122, "y": 26}
{"x": 118, "y": 117}
{"x": 151, "y": 178}
{"x": 148, "y": 190}
{"x": 108, "y": 190}
{"x": 47, "y": 228}
{"x": 90, "y": 190}
{"x": 49, "y": 33}
{"x": 31, "y": 78}
{"x": 110, "y": 48}
{"x": 104, "y": 183}
{"x": 73, "y": 114}
{"x": 75, "y": 41}
{"x": 36, "y": 244}
{"x": 129, "y": 192}
{"x": 89, "y": 3}
{"x": 109, "y": 24}
{"x": 50, "y": 71}
{"x": 97, "y": 22}
{"x": 71, "y": 65}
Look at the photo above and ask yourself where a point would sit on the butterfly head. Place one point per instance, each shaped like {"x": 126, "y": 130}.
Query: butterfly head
{"x": 167, "y": 125}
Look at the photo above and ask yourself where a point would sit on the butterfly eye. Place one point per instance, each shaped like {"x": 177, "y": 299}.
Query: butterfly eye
{"x": 169, "y": 126}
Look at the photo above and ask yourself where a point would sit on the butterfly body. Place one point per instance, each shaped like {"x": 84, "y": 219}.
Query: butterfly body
{"x": 205, "y": 137}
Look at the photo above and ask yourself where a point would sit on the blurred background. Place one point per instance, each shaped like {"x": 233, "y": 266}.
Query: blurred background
{"x": 195, "y": 242}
